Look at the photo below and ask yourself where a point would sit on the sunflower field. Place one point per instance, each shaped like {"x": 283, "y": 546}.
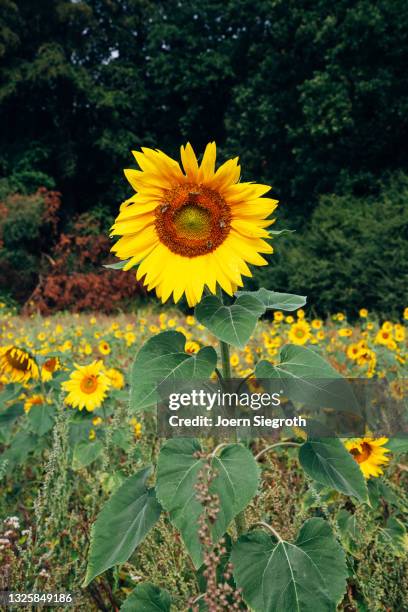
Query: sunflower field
{"x": 70, "y": 441}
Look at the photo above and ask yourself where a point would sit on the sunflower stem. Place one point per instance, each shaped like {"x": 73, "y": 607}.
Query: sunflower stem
{"x": 224, "y": 347}
{"x": 226, "y": 373}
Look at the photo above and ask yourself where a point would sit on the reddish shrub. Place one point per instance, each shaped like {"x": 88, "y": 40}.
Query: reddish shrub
{"x": 75, "y": 279}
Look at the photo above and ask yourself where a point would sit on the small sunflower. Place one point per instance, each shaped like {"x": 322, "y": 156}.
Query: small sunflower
{"x": 17, "y": 364}
{"x": 369, "y": 453}
{"x": 299, "y": 332}
{"x": 116, "y": 378}
{"x": 87, "y": 386}
{"x": 192, "y": 227}
{"x": 34, "y": 400}
{"x": 104, "y": 348}
{"x": 192, "y": 347}
{"x": 48, "y": 368}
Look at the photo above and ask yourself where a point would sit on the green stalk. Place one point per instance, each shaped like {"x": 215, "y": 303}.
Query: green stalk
{"x": 226, "y": 373}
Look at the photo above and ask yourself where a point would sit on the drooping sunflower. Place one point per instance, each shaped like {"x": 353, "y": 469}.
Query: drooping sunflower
{"x": 192, "y": 226}
{"x": 17, "y": 364}
{"x": 369, "y": 453}
{"x": 34, "y": 400}
{"x": 87, "y": 386}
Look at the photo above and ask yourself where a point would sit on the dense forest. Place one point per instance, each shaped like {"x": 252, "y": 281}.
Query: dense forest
{"x": 312, "y": 95}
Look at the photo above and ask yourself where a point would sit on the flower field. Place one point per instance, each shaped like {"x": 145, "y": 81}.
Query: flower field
{"x": 69, "y": 439}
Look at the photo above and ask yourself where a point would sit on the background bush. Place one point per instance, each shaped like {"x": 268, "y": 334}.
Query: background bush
{"x": 353, "y": 252}
{"x": 313, "y": 96}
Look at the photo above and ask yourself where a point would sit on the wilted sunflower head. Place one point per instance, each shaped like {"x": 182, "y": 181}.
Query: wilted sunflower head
{"x": 17, "y": 364}
{"x": 369, "y": 453}
{"x": 192, "y": 226}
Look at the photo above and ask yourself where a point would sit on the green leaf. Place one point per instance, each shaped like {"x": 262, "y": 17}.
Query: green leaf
{"x": 22, "y": 444}
{"x": 328, "y": 461}
{"x": 147, "y": 597}
{"x": 233, "y": 324}
{"x": 10, "y": 413}
{"x": 309, "y": 379}
{"x": 351, "y": 534}
{"x": 297, "y": 362}
{"x": 118, "y": 265}
{"x": 178, "y": 470}
{"x": 85, "y": 453}
{"x": 41, "y": 418}
{"x": 309, "y": 575}
{"x": 398, "y": 445}
{"x": 276, "y": 301}
{"x": 122, "y": 524}
{"x": 162, "y": 359}
{"x": 395, "y": 535}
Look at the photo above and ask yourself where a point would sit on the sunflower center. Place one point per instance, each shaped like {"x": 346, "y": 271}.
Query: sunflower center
{"x": 37, "y": 401}
{"x": 50, "y": 364}
{"x": 362, "y": 455}
{"x": 89, "y": 384}
{"x": 18, "y": 360}
{"x": 193, "y": 220}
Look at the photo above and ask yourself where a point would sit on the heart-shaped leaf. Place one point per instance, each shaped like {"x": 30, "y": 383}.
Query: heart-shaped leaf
{"x": 147, "y": 597}
{"x": 306, "y": 576}
{"x": 309, "y": 379}
{"x": 276, "y": 301}
{"x": 328, "y": 461}
{"x": 233, "y": 324}
{"x": 178, "y": 471}
{"x": 41, "y": 418}
{"x": 85, "y": 453}
{"x": 122, "y": 524}
{"x": 163, "y": 359}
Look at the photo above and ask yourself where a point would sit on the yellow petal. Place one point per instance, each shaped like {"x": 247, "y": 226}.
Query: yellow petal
{"x": 189, "y": 161}
{"x": 207, "y": 166}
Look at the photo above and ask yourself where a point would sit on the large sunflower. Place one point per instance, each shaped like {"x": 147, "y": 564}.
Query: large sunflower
{"x": 191, "y": 227}
{"x": 87, "y": 386}
{"x": 369, "y": 453}
{"x": 17, "y": 364}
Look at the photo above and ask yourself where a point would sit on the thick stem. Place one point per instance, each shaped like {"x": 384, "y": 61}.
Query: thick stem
{"x": 226, "y": 373}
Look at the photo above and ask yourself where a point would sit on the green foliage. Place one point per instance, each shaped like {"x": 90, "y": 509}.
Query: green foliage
{"x": 179, "y": 467}
{"x": 122, "y": 524}
{"x": 233, "y": 324}
{"x": 147, "y": 597}
{"x": 41, "y": 418}
{"x": 163, "y": 359}
{"x": 276, "y": 301}
{"x": 329, "y": 463}
{"x": 85, "y": 453}
{"x": 312, "y": 98}
{"x": 278, "y": 575}
{"x": 356, "y": 251}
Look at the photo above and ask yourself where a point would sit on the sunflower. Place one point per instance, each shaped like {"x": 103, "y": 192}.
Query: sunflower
{"x": 17, "y": 364}
{"x": 192, "y": 227}
{"x": 192, "y": 347}
{"x": 116, "y": 378}
{"x": 369, "y": 453}
{"x": 299, "y": 332}
{"x": 48, "y": 368}
{"x": 87, "y": 386}
{"x": 104, "y": 347}
{"x": 34, "y": 400}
